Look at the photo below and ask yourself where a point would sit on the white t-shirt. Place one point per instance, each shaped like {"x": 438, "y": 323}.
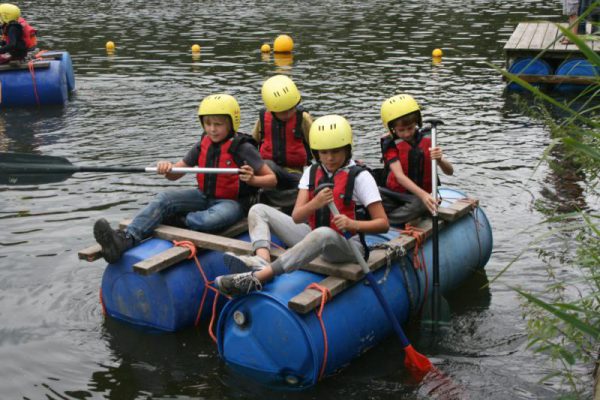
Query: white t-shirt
{"x": 365, "y": 188}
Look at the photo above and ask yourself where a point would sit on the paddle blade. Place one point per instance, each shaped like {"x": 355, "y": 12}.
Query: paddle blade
{"x": 33, "y": 169}
{"x": 417, "y": 364}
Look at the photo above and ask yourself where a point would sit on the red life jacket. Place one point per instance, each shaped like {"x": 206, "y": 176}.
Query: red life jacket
{"x": 29, "y": 35}
{"x": 343, "y": 187}
{"x": 414, "y": 159}
{"x": 284, "y": 142}
{"x": 222, "y": 155}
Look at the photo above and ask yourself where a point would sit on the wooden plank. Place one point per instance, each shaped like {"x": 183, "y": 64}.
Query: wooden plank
{"x": 457, "y": 209}
{"x": 555, "y": 79}
{"x": 24, "y": 65}
{"x": 515, "y": 37}
{"x": 538, "y": 36}
{"x": 550, "y": 36}
{"x": 310, "y": 299}
{"x": 91, "y": 253}
{"x": 527, "y": 35}
{"x": 162, "y": 260}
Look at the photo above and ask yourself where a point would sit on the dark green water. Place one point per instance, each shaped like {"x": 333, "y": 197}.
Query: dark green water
{"x": 140, "y": 104}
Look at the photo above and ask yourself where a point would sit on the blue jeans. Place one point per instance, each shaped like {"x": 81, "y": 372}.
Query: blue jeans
{"x": 202, "y": 213}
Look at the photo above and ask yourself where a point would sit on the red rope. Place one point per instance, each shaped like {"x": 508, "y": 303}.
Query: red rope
{"x": 32, "y": 73}
{"x": 418, "y": 256}
{"x": 325, "y": 297}
{"x": 207, "y": 286}
{"x": 102, "y": 302}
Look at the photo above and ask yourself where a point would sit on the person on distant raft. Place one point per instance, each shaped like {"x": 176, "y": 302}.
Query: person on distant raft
{"x": 219, "y": 200}
{"x": 407, "y": 156}
{"x": 18, "y": 37}
{"x": 312, "y": 230}
{"x": 282, "y": 133}
{"x": 571, "y": 9}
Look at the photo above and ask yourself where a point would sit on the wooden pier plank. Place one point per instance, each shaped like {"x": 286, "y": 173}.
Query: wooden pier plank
{"x": 516, "y": 36}
{"x": 527, "y": 36}
{"x": 538, "y": 36}
{"x": 550, "y": 36}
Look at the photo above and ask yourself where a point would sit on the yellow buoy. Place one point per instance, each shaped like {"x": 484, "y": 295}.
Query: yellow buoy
{"x": 196, "y": 48}
{"x": 110, "y": 46}
{"x": 265, "y": 48}
{"x": 437, "y": 53}
{"x": 283, "y": 44}
{"x": 283, "y": 59}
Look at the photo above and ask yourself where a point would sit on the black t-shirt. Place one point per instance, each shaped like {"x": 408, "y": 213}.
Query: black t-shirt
{"x": 245, "y": 151}
{"x": 16, "y": 44}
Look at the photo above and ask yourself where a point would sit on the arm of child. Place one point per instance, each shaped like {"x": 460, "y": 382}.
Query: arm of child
{"x": 445, "y": 165}
{"x": 412, "y": 187}
{"x": 264, "y": 177}
{"x": 305, "y": 208}
{"x": 164, "y": 167}
{"x": 377, "y": 224}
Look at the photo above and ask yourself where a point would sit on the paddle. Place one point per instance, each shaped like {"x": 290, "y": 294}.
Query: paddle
{"x": 436, "y": 304}
{"x": 416, "y": 363}
{"x": 34, "y": 169}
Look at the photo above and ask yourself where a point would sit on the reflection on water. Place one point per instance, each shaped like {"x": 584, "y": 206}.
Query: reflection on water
{"x": 139, "y": 104}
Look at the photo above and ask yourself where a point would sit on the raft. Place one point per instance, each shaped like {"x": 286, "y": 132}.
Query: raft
{"x": 273, "y": 336}
{"x": 260, "y": 337}
{"x": 47, "y": 79}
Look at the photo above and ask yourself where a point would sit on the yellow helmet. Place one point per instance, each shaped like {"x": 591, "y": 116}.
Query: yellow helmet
{"x": 9, "y": 12}
{"x": 399, "y": 106}
{"x": 330, "y": 132}
{"x": 221, "y": 104}
{"x": 280, "y": 93}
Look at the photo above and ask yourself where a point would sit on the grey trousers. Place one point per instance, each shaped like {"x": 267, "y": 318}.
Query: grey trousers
{"x": 304, "y": 244}
{"x": 398, "y": 213}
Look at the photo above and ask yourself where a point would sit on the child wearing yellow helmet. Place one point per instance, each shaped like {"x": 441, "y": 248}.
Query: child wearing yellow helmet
{"x": 18, "y": 37}
{"x": 407, "y": 155}
{"x": 219, "y": 200}
{"x": 311, "y": 230}
{"x": 282, "y": 133}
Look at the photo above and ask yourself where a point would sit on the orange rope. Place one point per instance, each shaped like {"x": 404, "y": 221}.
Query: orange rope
{"x": 418, "y": 256}
{"x": 325, "y": 297}
{"x": 102, "y": 302}
{"x": 207, "y": 286}
{"x": 32, "y": 72}
{"x": 40, "y": 53}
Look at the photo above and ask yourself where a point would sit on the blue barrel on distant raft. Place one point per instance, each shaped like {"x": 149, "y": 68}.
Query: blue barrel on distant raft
{"x": 575, "y": 67}
{"x": 168, "y": 300}
{"x": 49, "y": 82}
{"x": 528, "y": 66}
{"x": 261, "y": 338}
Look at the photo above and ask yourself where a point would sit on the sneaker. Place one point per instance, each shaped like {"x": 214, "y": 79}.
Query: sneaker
{"x": 114, "y": 242}
{"x": 239, "y": 264}
{"x": 238, "y": 284}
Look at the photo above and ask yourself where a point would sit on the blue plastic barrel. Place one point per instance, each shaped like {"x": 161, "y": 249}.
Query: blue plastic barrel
{"x": 575, "y": 67}
{"x": 528, "y": 66}
{"x": 18, "y": 87}
{"x": 167, "y": 300}
{"x": 261, "y": 338}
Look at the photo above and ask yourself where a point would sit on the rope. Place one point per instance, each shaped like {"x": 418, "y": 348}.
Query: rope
{"x": 418, "y": 256}
{"x": 102, "y": 302}
{"x": 325, "y": 297}
{"x": 40, "y": 53}
{"x": 207, "y": 286}
{"x": 32, "y": 73}
{"x": 392, "y": 252}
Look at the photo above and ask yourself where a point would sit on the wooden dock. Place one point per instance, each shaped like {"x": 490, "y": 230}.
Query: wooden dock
{"x": 543, "y": 40}
{"x": 531, "y": 38}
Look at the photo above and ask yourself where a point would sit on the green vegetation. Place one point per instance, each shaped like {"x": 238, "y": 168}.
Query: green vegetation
{"x": 564, "y": 319}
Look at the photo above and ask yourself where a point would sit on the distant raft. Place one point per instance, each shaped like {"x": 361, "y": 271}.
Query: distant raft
{"x": 46, "y": 79}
